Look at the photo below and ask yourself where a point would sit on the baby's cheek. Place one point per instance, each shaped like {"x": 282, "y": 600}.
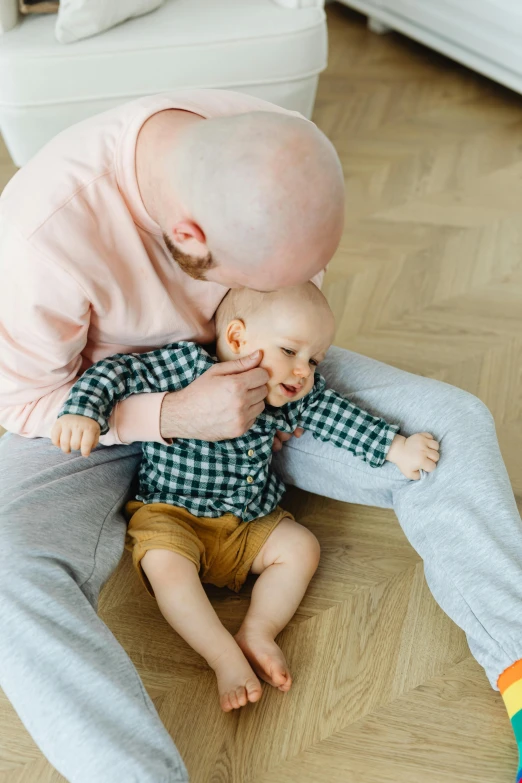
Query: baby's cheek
{"x": 267, "y": 365}
{"x": 272, "y": 398}
{"x": 275, "y": 398}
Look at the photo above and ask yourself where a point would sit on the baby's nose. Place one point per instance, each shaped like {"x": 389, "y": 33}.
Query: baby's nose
{"x": 302, "y": 370}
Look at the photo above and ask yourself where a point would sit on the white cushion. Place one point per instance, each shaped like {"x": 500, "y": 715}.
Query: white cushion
{"x": 185, "y": 43}
{"x": 79, "y": 19}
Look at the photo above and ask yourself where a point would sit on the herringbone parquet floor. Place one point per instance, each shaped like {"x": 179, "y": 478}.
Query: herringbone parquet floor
{"x": 429, "y": 278}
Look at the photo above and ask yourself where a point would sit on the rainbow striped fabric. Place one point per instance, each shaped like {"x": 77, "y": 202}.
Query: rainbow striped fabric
{"x": 510, "y": 686}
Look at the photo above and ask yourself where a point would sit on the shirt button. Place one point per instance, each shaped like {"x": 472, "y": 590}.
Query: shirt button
{"x": 250, "y": 480}
{"x": 250, "y": 452}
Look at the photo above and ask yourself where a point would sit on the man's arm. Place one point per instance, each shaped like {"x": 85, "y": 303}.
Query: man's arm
{"x": 112, "y": 380}
{"x": 44, "y": 322}
{"x": 44, "y": 318}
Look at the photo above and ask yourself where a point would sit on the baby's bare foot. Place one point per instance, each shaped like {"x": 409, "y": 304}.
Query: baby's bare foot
{"x": 266, "y": 657}
{"x": 237, "y": 683}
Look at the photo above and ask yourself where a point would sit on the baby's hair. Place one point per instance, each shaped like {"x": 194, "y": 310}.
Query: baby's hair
{"x": 244, "y": 303}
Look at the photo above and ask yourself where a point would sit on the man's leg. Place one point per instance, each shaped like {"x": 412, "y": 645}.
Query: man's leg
{"x": 462, "y": 518}
{"x": 73, "y": 685}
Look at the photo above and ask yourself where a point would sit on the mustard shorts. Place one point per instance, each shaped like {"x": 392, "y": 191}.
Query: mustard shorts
{"x": 222, "y": 549}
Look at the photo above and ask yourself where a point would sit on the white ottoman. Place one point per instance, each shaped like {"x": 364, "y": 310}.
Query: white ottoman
{"x": 254, "y": 46}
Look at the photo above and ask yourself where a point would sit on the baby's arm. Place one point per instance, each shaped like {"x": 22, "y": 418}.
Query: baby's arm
{"x": 331, "y": 417}
{"x": 86, "y": 412}
{"x": 413, "y": 454}
{"x": 72, "y": 432}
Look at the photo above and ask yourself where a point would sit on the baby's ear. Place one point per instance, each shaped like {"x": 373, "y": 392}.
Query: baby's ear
{"x": 235, "y": 335}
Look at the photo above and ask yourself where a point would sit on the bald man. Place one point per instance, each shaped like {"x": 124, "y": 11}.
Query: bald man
{"x": 122, "y": 235}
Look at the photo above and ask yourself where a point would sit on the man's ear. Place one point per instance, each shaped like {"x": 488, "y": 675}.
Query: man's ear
{"x": 235, "y": 335}
{"x": 187, "y": 231}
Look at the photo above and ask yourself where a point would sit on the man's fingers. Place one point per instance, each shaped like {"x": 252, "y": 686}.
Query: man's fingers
{"x": 238, "y": 365}
{"x": 277, "y": 444}
{"x": 282, "y": 437}
{"x": 254, "y": 396}
{"x": 249, "y": 377}
{"x": 255, "y": 410}
{"x": 253, "y": 379}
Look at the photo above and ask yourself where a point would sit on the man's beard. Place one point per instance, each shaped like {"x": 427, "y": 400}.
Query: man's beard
{"x": 192, "y": 265}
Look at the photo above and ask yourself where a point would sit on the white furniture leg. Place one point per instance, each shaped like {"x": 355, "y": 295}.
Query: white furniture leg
{"x": 377, "y": 26}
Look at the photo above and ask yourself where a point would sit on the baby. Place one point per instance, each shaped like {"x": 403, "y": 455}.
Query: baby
{"x": 209, "y": 511}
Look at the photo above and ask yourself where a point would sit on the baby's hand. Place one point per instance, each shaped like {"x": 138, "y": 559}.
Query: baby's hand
{"x": 413, "y": 454}
{"x": 75, "y": 432}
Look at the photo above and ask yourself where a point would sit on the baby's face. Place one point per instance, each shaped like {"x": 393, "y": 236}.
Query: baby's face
{"x": 293, "y": 342}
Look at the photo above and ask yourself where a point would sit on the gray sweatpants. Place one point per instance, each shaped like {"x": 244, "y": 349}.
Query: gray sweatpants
{"x": 62, "y": 534}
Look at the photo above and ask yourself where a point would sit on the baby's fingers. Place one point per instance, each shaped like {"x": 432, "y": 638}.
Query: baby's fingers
{"x": 56, "y": 433}
{"x": 76, "y": 439}
{"x": 89, "y": 441}
{"x": 431, "y": 443}
{"x": 428, "y": 465}
{"x": 65, "y": 440}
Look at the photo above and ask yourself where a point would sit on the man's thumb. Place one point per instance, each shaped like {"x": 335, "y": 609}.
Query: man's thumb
{"x": 240, "y": 365}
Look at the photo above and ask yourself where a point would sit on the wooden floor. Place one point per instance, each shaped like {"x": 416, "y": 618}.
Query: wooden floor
{"x": 429, "y": 278}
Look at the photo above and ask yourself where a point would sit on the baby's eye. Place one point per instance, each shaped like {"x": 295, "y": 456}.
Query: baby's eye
{"x": 314, "y": 362}
{"x": 288, "y": 351}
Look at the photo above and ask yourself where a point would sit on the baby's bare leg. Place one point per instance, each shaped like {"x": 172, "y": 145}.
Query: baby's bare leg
{"x": 286, "y": 563}
{"x": 184, "y": 604}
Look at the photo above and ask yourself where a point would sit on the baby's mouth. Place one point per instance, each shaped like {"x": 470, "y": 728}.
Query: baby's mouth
{"x": 290, "y": 391}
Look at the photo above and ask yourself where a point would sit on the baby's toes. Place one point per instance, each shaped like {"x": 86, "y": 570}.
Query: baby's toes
{"x": 253, "y": 690}
{"x": 230, "y": 701}
{"x": 241, "y": 696}
{"x": 225, "y": 703}
{"x": 234, "y": 701}
{"x": 278, "y": 673}
{"x": 287, "y": 684}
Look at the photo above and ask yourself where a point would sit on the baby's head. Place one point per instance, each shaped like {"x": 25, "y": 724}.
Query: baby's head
{"x": 293, "y": 327}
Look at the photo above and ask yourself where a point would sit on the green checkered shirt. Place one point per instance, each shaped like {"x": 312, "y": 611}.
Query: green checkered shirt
{"x": 230, "y": 476}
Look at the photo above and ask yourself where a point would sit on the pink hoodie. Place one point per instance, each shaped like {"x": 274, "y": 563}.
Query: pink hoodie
{"x": 84, "y": 271}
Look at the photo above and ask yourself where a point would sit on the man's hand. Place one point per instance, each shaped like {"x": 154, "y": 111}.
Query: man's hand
{"x": 222, "y": 403}
{"x": 413, "y": 454}
{"x": 282, "y": 437}
{"x": 72, "y": 432}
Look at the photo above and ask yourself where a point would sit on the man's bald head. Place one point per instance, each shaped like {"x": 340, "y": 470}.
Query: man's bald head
{"x": 266, "y": 190}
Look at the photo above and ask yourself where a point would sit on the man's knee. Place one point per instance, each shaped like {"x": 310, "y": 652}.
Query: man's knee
{"x": 464, "y": 410}
{"x": 465, "y": 428}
